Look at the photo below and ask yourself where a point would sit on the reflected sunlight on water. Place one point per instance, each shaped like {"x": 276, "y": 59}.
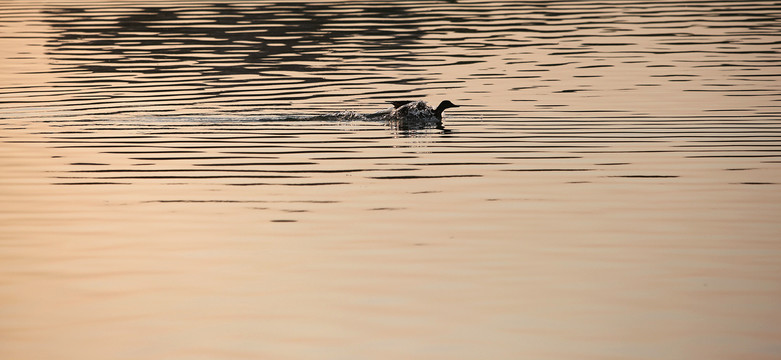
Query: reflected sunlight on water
{"x": 609, "y": 187}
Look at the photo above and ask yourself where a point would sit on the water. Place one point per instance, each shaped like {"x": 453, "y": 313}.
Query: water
{"x": 609, "y": 187}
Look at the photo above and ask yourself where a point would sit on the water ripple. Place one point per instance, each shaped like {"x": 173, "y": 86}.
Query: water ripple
{"x": 220, "y": 92}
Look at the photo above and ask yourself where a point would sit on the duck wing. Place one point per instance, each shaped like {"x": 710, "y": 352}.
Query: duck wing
{"x": 399, "y": 103}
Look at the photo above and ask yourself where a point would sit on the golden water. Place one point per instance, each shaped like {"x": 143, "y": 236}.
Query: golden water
{"x": 609, "y": 188}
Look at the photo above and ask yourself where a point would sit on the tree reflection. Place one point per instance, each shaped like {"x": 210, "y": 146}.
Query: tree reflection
{"x": 224, "y": 39}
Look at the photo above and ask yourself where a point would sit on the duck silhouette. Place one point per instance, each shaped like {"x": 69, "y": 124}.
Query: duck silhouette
{"x": 404, "y": 115}
{"x": 410, "y": 114}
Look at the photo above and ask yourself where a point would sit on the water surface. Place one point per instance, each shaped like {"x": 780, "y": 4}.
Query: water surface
{"x": 609, "y": 187}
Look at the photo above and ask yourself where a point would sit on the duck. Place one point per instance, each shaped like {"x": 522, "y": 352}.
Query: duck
{"x": 410, "y": 114}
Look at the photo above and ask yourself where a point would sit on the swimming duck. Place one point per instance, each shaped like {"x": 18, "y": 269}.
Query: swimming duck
{"x": 418, "y": 114}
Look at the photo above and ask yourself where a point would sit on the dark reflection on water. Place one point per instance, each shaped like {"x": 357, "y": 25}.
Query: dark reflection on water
{"x": 561, "y": 56}
{"x": 226, "y": 39}
{"x": 312, "y": 44}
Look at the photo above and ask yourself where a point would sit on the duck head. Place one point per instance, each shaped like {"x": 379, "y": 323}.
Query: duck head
{"x": 442, "y": 106}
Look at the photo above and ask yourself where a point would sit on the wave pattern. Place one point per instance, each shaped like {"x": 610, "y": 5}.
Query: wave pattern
{"x": 186, "y": 92}
{"x": 289, "y": 153}
{"x": 192, "y": 58}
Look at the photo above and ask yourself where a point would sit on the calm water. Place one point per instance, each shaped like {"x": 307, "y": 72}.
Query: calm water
{"x": 610, "y": 187}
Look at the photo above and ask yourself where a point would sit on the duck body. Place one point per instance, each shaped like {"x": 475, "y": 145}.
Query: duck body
{"x": 418, "y": 114}
{"x": 404, "y": 115}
